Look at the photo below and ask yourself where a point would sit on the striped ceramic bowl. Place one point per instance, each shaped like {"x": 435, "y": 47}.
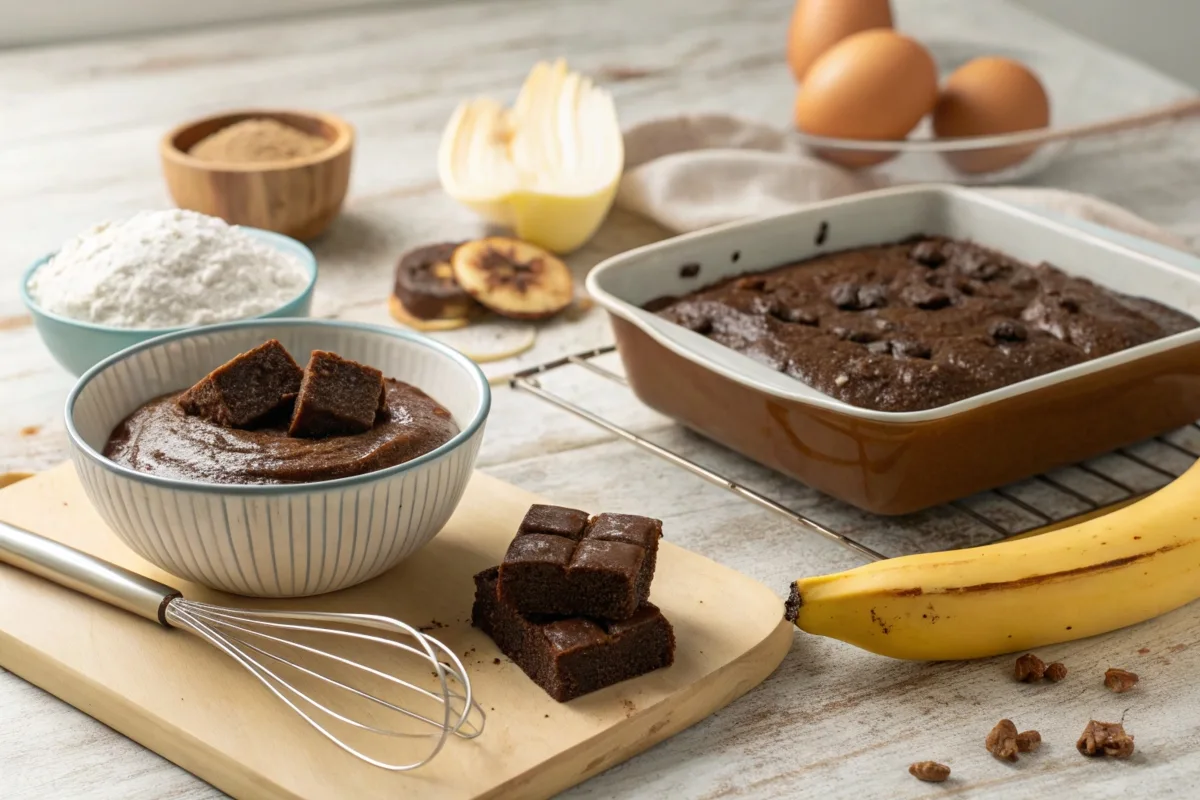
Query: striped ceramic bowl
{"x": 287, "y": 540}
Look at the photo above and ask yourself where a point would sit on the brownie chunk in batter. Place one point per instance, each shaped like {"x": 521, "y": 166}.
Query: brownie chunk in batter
{"x": 246, "y": 389}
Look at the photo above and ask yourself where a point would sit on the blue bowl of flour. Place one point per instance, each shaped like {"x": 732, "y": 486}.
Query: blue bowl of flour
{"x": 80, "y": 345}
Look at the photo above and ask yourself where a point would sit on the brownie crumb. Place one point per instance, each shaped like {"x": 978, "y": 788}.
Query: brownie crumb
{"x": 1028, "y": 741}
{"x": 929, "y": 771}
{"x": 495, "y": 661}
{"x": 246, "y": 388}
{"x": 1120, "y": 680}
{"x": 1056, "y": 672}
{"x": 1029, "y": 668}
{"x": 822, "y": 233}
{"x": 1002, "y": 741}
{"x": 1105, "y": 739}
{"x": 690, "y": 270}
{"x": 337, "y": 396}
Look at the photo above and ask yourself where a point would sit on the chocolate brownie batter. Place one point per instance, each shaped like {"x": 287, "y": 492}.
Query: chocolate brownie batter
{"x": 160, "y": 439}
{"x": 920, "y": 323}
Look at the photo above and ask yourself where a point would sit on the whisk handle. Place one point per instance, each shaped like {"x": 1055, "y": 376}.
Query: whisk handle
{"x": 86, "y": 574}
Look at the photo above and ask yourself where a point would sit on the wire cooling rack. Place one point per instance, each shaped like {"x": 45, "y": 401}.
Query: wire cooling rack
{"x": 1160, "y": 459}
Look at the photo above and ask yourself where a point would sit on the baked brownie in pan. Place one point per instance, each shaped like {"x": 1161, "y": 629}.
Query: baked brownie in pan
{"x": 890, "y": 462}
{"x": 920, "y": 323}
{"x": 561, "y": 562}
{"x": 573, "y": 656}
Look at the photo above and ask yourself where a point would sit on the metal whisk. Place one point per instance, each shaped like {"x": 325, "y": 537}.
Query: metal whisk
{"x": 284, "y": 650}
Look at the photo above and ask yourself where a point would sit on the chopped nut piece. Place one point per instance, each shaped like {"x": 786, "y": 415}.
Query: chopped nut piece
{"x": 929, "y": 771}
{"x": 1002, "y": 741}
{"x": 1105, "y": 739}
{"x": 1119, "y": 680}
{"x": 1029, "y": 668}
{"x": 1056, "y": 672}
{"x": 1028, "y": 741}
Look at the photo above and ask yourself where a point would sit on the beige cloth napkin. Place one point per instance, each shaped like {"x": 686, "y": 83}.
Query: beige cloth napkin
{"x": 692, "y": 172}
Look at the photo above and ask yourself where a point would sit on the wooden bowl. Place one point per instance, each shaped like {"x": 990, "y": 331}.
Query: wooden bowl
{"x": 297, "y": 197}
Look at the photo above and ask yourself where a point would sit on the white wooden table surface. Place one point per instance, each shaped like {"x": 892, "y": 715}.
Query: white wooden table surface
{"x": 77, "y": 145}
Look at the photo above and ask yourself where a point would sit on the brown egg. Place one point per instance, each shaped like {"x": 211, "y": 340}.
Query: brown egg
{"x": 873, "y": 85}
{"x": 985, "y": 97}
{"x": 818, "y": 25}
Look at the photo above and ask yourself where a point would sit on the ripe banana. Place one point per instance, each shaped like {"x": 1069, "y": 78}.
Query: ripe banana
{"x": 1133, "y": 564}
{"x": 547, "y": 168}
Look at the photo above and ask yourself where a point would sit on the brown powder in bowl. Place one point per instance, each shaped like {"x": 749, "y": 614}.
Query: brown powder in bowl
{"x": 257, "y": 140}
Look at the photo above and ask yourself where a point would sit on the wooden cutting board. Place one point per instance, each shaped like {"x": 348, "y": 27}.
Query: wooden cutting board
{"x": 193, "y": 705}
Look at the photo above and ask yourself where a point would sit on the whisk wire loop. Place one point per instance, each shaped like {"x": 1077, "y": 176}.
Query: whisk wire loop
{"x": 456, "y": 729}
{"x": 233, "y": 631}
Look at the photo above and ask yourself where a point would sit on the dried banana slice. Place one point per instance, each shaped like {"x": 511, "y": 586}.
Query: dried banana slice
{"x": 402, "y": 315}
{"x": 425, "y": 285}
{"x": 513, "y": 278}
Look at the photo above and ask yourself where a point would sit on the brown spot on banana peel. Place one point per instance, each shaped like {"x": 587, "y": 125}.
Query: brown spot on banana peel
{"x": 791, "y": 608}
{"x": 1034, "y": 580}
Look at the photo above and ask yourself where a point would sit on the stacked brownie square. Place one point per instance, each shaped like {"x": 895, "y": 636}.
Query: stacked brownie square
{"x": 569, "y": 602}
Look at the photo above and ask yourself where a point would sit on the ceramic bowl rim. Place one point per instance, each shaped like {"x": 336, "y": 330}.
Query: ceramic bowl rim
{"x": 465, "y": 434}
{"x": 305, "y": 255}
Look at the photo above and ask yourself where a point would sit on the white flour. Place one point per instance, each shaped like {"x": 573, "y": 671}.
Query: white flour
{"x": 166, "y": 269}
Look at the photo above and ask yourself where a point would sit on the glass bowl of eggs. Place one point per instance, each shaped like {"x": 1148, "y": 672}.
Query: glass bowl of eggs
{"x": 877, "y": 96}
{"x": 872, "y": 98}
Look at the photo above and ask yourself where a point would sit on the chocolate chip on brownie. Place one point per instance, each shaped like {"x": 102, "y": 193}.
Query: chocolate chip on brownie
{"x": 981, "y": 266}
{"x": 873, "y": 295}
{"x": 929, "y": 253}
{"x": 925, "y": 297}
{"x": 795, "y": 316}
{"x": 844, "y": 296}
{"x": 908, "y": 348}
{"x": 855, "y": 297}
{"x": 1007, "y": 330}
{"x": 854, "y": 335}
